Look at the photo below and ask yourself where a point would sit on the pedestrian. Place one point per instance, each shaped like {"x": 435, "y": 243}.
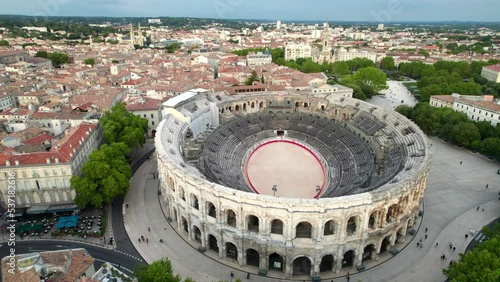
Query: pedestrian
{"x": 483, "y": 208}
{"x": 149, "y": 229}
{"x": 147, "y": 241}
{"x": 466, "y": 236}
{"x": 486, "y": 186}
{"x": 426, "y": 236}
{"x": 418, "y": 244}
{"x": 348, "y": 277}
{"x": 436, "y": 244}
{"x": 450, "y": 245}
{"x": 142, "y": 238}
{"x": 477, "y": 208}
{"x": 454, "y": 248}
{"x": 248, "y": 275}
{"x": 139, "y": 240}
{"x": 460, "y": 162}
{"x": 420, "y": 239}
{"x": 232, "y": 274}
{"x": 426, "y": 230}
{"x": 421, "y": 246}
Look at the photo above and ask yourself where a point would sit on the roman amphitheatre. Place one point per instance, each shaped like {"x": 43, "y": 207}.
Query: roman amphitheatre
{"x": 295, "y": 183}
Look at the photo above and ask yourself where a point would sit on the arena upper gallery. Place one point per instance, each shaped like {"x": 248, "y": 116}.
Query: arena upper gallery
{"x": 291, "y": 183}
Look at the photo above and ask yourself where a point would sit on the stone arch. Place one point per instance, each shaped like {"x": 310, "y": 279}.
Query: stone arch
{"x": 213, "y": 243}
{"x": 391, "y": 214}
{"x": 368, "y": 252}
{"x": 374, "y": 219}
{"x": 184, "y": 224}
{"x": 211, "y": 211}
{"x": 196, "y": 233}
{"x": 297, "y": 104}
{"x": 182, "y": 194}
{"x": 330, "y": 228}
{"x": 348, "y": 258}
{"x": 306, "y": 105}
{"x": 194, "y": 202}
{"x": 252, "y": 223}
{"x": 277, "y": 226}
{"x": 385, "y": 244}
{"x": 322, "y": 107}
{"x": 400, "y": 236}
{"x": 303, "y": 230}
{"x": 276, "y": 262}
{"x": 231, "y": 218}
{"x": 261, "y": 105}
{"x": 231, "y": 251}
{"x": 222, "y": 111}
{"x": 302, "y": 266}
{"x": 252, "y": 257}
{"x": 252, "y": 105}
{"x": 327, "y": 262}
{"x": 237, "y": 108}
{"x": 352, "y": 225}
{"x": 244, "y": 106}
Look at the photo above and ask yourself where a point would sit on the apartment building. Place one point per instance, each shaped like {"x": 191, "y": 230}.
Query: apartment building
{"x": 477, "y": 108}
{"x": 491, "y": 73}
{"x": 295, "y": 51}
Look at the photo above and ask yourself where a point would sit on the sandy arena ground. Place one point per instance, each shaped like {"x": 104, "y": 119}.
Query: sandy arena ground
{"x": 292, "y": 168}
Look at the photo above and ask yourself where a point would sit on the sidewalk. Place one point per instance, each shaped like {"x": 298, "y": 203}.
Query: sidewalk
{"x": 453, "y": 194}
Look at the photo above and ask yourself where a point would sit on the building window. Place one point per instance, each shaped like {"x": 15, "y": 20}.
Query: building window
{"x": 54, "y": 172}
{"x": 153, "y": 122}
{"x": 144, "y": 115}
{"x": 152, "y": 115}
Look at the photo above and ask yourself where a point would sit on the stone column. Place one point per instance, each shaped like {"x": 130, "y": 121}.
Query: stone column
{"x": 340, "y": 258}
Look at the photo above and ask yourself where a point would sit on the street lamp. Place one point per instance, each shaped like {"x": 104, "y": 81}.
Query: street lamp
{"x": 275, "y": 188}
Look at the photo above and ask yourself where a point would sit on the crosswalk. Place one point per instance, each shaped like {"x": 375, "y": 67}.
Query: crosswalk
{"x": 129, "y": 255}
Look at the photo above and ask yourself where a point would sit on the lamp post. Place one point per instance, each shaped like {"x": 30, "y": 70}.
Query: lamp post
{"x": 275, "y": 188}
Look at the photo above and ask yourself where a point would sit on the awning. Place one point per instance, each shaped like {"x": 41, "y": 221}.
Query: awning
{"x": 62, "y": 208}
{"x": 37, "y": 209}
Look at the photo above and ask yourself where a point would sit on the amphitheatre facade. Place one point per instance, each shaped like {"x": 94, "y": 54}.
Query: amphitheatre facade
{"x": 299, "y": 183}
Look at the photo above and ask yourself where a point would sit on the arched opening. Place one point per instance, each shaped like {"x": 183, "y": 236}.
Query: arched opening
{"x": 303, "y": 230}
{"x": 153, "y": 133}
{"x": 253, "y": 257}
{"x": 230, "y": 108}
{"x": 372, "y": 222}
{"x": 231, "y": 251}
{"x": 182, "y": 194}
{"x": 302, "y": 266}
{"x": 222, "y": 111}
{"x": 252, "y": 105}
{"x": 330, "y": 228}
{"x": 368, "y": 252}
{"x": 253, "y": 223}
{"x": 237, "y": 107}
{"x": 185, "y": 225}
{"x": 277, "y": 227}
{"x": 306, "y": 105}
{"x": 212, "y": 243}
{"x": 391, "y": 213}
{"x": 352, "y": 226}
{"x": 197, "y": 233}
{"x": 244, "y": 106}
{"x": 400, "y": 236}
{"x": 385, "y": 244}
{"x": 194, "y": 202}
{"x": 326, "y": 263}
{"x": 348, "y": 259}
{"x": 175, "y": 214}
{"x": 261, "y": 105}
{"x": 211, "y": 210}
{"x": 276, "y": 262}
{"x": 231, "y": 218}
{"x": 297, "y": 104}
{"x": 322, "y": 107}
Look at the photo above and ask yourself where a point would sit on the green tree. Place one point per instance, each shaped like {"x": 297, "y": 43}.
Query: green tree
{"x": 465, "y": 133}
{"x": 4, "y": 43}
{"x": 58, "y": 58}
{"x": 423, "y": 52}
{"x": 253, "y": 77}
{"x": 387, "y": 63}
{"x": 89, "y": 61}
{"x": 480, "y": 264}
{"x": 105, "y": 175}
{"x": 119, "y": 125}
{"x": 340, "y": 68}
{"x": 42, "y": 54}
{"x": 158, "y": 271}
{"x": 371, "y": 79}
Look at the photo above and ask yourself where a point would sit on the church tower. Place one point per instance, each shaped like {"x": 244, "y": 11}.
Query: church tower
{"x": 140, "y": 38}
{"x": 132, "y": 35}
{"x": 326, "y": 53}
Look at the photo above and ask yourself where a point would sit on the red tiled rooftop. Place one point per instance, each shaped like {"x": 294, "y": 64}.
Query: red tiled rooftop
{"x": 39, "y": 139}
{"x": 494, "y": 67}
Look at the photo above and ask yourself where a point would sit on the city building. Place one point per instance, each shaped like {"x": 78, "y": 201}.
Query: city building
{"x": 380, "y": 26}
{"x": 326, "y": 54}
{"x": 259, "y": 58}
{"x": 148, "y": 108}
{"x": 10, "y": 57}
{"x": 278, "y": 25}
{"x": 491, "y": 73}
{"x": 295, "y": 51}
{"x": 346, "y": 55}
{"x": 72, "y": 265}
{"x": 154, "y": 21}
{"x": 477, "y": 108}
{"x": 43, "y": 177}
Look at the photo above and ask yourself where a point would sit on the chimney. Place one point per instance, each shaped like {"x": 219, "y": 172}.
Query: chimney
{"x": 57, "y": 160}
{"x": 17, "y": 162}
{"x": 7, "y": 163}
{"x": 48, "y": 161}
{"x": 70, "y": 155}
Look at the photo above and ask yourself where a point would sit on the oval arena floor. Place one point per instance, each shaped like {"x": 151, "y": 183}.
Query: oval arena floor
{"x": 294, "y": 169}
